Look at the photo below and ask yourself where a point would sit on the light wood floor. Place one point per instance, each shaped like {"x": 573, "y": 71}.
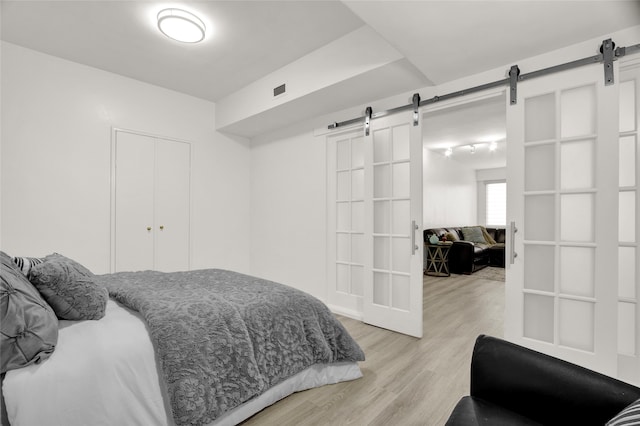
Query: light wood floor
{"x": 406, "y": 381}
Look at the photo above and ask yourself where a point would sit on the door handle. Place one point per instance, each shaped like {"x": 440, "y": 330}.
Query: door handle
{"x": 414, "y": 228}
{"x": 512, "y": 236}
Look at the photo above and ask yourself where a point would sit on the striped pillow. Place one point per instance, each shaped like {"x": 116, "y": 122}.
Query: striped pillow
{"x": 630, "y": 416}
{"x": 26, "y": 263}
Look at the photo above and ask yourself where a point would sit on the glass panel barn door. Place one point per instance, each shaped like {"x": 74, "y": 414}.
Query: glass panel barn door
{"x": 393, "y": 224}
{"x": 629, "y": 205}
{"x": 563, "y": 199}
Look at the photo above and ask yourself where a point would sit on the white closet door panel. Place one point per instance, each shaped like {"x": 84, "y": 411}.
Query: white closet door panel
{"x": 134, "y": 230}
{"x": 172, "y": 200}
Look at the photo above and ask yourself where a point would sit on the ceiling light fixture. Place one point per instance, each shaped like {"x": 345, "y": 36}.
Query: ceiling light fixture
{"x": 448, "y": 152}
{"x": 181, "y": 25}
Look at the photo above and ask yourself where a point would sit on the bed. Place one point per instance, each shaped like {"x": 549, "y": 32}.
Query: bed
{"x": 205, "y": 347}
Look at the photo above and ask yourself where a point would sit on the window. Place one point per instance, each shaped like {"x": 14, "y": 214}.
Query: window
{"x": 496, "y": 193}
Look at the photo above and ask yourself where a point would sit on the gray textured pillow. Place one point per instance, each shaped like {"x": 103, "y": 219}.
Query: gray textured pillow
{"x": 473, "y": 234}
{"x": 28, "y": 325}
{"x": 69, "y": 288}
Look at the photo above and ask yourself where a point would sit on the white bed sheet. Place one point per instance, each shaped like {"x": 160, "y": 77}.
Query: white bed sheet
{"x": 105, "y": 373}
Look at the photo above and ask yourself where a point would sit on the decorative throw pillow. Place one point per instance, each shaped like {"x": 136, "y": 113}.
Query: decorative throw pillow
{"x": 487, "y": 237}
{"x": 69, "y": 288}
{"x": 26, "y": 263}
{"x": 630, "y": 416}
{"x": 450, "y": 236}
{"x": 473, "y": 234}
{"x": 28, "y": 325}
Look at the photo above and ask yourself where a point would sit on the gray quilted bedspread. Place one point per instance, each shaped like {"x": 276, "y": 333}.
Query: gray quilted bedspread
{"x": 223, "y": 338}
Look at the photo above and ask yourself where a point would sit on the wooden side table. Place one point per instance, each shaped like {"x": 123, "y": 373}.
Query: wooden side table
{"x": 438, "y": 260}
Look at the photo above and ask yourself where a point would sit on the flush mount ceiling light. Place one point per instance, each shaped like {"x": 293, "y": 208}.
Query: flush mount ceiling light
{"x": 181, "y": 25}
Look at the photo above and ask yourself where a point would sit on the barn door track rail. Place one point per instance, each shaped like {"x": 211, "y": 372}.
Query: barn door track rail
{"x": 608, "y": 54}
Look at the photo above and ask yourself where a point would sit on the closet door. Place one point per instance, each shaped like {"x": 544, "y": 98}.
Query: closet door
{"x": 151, "y": 198}
{"x": 134, "y": 202}
{"x": 172, "y": 199}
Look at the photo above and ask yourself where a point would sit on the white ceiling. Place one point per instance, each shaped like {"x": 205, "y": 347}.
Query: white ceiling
{"x": 246, "y": 40}
{"x": 477, "y": 123}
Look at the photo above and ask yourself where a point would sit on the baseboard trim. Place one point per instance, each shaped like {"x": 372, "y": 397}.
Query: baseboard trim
{"x": 349, "y": 313}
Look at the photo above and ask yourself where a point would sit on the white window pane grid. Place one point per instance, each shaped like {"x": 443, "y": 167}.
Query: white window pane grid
{"x": 577, "y": 164}
{"x": 627, "y": 273}
{"x": 539, "y": 269}
{"x": 627, "y": 154}
{"x": 342, "y": 154}
{"x": 559, "y": 209}
{"x": 628, "y": 106}
{"x": 400, "y": 142}
{"x": 540, "y": 167}
{"x": 357, "y": 184}
{"x": 391, "y": 221}
{"x": 577, "y": 111}
{"x": 357, "y": 152}
{"x": 577, "y": 217}
{"x": 539, "y": 317}
{"x": 576, "y": 324}
{"x": 627, "y": 328}
{"x": 627, "y": 216}
{"x": 577, "y": 271}
{"x": 350, "y": 216}
{"x": 540, "y": 118}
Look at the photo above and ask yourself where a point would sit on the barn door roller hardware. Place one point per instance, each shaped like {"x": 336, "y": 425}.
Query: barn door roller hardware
{"x": 514, "y": 73}
{"x": 416, "y": 107}
{"x": 608, "y": 54}
{"x": 367, "y": 120}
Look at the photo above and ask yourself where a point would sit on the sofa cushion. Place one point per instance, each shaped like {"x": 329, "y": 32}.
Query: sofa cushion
{"x": 630, "y": 416}
{"x": 29, "y": 327}
{"x": 472, "y": 411}
{"x": 69, "y": 288}
{"x": 473, "y": 234}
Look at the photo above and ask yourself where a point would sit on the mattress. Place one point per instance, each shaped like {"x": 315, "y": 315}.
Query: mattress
{"x": 105, "y": 373}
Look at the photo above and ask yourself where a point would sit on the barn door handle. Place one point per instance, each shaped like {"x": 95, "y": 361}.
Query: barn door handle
{"x": 513, "y": 254}
{"x": 414, "y": 228}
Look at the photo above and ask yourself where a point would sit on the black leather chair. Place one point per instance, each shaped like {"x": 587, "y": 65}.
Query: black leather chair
{"x": 512, "y": 385}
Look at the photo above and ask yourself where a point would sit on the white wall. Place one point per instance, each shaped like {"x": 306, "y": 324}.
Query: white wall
{"x": 57, "y": 118}
{"x": 288, "y": 211}
{"x": 449, "y": 192}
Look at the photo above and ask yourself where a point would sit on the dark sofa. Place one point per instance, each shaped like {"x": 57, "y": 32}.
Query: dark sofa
{"x": 512, "y": 385}
{"x": 466, "y": 257}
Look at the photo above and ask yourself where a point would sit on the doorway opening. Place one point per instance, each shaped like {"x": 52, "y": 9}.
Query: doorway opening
{"x": 464, "y": 186}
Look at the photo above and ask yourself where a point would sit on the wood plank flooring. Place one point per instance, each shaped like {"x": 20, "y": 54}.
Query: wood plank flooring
{"x": 406, "y": 381}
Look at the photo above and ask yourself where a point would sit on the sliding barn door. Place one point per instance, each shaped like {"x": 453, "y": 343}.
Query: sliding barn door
{"x": 393, "y": 224}
{"x": 563, "y": 200}
{"x": 375, "y": 224}
{"x": 628, "y": 296}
